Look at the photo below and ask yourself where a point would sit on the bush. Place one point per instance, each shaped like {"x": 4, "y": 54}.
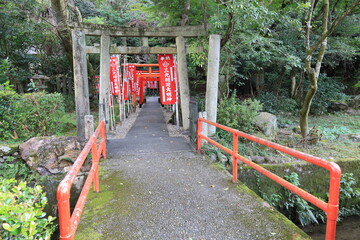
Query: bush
{"x": 238, "y": 115}
{"x": 30, "y": 115}
{"x": 276, "y": 104}
{"x": 39, "y": 114}
{"x": 21, "y": 215}
{"x": 8, "y": 100}
{"x": 329, "y": 89}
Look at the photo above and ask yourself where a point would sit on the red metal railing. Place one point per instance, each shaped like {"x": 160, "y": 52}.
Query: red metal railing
{"x": 331, "y": 207}
{"x": 69, "y": 222}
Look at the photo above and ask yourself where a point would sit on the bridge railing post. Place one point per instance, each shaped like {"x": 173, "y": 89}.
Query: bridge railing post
{"x": 199, "y": 132}
{"x": 234, "y": 158}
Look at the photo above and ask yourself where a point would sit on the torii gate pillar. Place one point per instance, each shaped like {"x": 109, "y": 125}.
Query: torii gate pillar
{"x": 81, "y": 84}
{"x": 183, "y": 82}
{"x": 104, "y": 91}
{"x": 212, "y": 82}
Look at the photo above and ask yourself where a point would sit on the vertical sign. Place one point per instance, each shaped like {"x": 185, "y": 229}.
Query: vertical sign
{"x": 114, "y": 76}
{"x": 167, "y": 79}
{"x": 132, "y": 77}
{"x": 126, "y": 81}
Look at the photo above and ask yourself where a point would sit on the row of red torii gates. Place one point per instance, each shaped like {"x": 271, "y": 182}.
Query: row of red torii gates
{"x": 80, "y": 50}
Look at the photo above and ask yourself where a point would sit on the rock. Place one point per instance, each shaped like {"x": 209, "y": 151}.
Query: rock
{"x": 353, "y": 112}
{"x": 354, "y": 137}
{"x": 257, "y": 159}
{"x": 2, "y": 160}
{"x": 354, "y": 102}
{"x": 8, "y": 149}
{"x": 337, "y": 107}
{"x": 267, "y": 123}
{"x": 222, "y": 158}
{"x": 45, "y": 154}
{"x": 343, "y": 137}
{"x": 351, "y": 137}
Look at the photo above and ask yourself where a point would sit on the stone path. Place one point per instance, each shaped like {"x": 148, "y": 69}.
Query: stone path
{"x": 154, "y": 186}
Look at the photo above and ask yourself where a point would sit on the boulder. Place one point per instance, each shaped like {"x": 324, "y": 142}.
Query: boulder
{"x": 354, "y": 137}
{"x": 267, "y": 123}
{"x": 353, "y": 112}
{"x": 50, "y": 155}
{"x": 355, "y": 102}
{"x": 258, "y": 159}
{"x": 337, "y": 107}
{"x": 351, "y": 137}
{"x": 8, "y": 149}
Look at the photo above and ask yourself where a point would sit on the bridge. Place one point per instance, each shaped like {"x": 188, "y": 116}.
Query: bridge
{"x": 153, "y": 186}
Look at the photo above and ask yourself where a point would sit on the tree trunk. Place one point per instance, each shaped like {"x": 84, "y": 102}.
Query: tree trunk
{"x": 304, "y": 112}
{"x": 293, "y": 82}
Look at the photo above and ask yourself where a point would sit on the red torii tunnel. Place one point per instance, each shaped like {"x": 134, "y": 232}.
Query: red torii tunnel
{"x": 144, "y": 76}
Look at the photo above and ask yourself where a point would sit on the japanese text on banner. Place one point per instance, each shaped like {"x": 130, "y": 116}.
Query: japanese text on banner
{"x": 168, "y": 86}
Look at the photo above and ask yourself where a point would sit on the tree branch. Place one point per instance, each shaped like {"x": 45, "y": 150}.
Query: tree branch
{"x": 333, "y": 26}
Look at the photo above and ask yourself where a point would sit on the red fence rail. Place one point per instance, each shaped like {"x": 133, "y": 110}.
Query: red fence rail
{"x": 330, "y": 207}
{"x": 69, "y": 222}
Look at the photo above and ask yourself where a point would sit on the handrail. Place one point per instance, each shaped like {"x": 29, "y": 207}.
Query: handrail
{"x": 331, "y": 207}
{"x": 69, "y": 222}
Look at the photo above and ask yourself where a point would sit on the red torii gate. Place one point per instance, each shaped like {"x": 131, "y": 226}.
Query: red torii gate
{"x": 146, "y": 75}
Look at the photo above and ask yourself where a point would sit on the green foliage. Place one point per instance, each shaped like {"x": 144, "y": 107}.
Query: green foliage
{"x": 21, "y": 215}
{"x": 300, "y": 211}
{"x": 348, "y": 193}
{"x": 38, "y": 114}
{"x": 334, "y": 132}
{"x": 297, "y": 208}
{"x": 15, "y": 169}
{"x": 8, "y": 100}
{"x": 6, "y": 72}
{"x": 277, "y": 104}
{"x": 329, "y": 89}
{"x": 236, "y": 114}
{"x": 29, "y": 115}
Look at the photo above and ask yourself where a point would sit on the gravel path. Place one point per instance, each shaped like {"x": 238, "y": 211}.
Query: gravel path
{"x": 155, "y": 187}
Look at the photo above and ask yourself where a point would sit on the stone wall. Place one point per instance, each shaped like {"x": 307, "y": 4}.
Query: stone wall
{"x": 312, "y": 178}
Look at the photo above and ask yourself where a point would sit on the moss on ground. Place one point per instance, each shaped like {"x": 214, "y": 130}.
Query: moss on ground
{"x": 288, "y": 229}
{"x": 95, "y": 211}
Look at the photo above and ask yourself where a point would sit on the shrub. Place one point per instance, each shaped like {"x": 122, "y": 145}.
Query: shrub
{"x": 38, "y": 114}
{"x": 21, "y": 215}
{"x": 276, "y": 104}
{"x": 239, "y": 115}
{"x": 29, "y": 115}
{"x": 8, "y": 99}
{"x": 329, "y": 89}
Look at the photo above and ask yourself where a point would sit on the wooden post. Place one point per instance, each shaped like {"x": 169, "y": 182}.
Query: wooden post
{"x": 183, "y": 82}
{"x": 212, "y": 82}
{"x": 80, "y": 80}
{"x": 145, "y": 41}
{"x": 89, "y": 126}
{"x": 104, "y": 92}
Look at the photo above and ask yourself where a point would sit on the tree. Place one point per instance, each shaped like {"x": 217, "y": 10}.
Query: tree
{"x": 328, "y": 25}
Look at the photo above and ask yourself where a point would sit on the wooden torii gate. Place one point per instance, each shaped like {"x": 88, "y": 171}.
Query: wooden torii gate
{"x": 80, "y": 30}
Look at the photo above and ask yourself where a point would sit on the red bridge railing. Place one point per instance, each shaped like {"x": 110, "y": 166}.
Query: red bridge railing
{"x": 331, "y": 207}
{"x": 69, "y": 222}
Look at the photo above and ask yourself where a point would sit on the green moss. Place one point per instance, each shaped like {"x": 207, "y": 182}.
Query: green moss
{"x": 113, "y": 199}
{"x": 287, "y": 230}
{"x": 313, "y": 179}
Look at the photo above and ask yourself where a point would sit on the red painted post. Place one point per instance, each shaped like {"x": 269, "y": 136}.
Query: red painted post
{"x": 234, "y": 158}
{"x": 95, "y": 160}
{"x": 199, "y": 134}
{"x": 333, "y": 204}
